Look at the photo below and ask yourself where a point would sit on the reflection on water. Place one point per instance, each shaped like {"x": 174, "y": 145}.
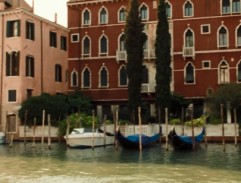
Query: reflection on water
{"x": 24, "y": 164}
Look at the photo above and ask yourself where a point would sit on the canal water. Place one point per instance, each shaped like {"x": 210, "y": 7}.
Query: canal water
{"x": 24, "y": 164}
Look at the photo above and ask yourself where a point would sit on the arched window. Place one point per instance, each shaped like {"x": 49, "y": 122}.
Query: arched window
{"x": 58, "y": 73}
{"x": 144, "y": 12}
{"x": 86, "y": 46}
{"x": 189, "y": 41}
{"x": 238, "y": 37}
{"x": 223, "y": 37}
{"x": 122, "y": 15}
{"x": 122, "y": 76}
{"x": 12, "y": 63}
{"x": 122, "y": 43}
{"x": 145, "y": 75}
{"x": 86, "y": 17}
{"x": 168, "y": 10}
{"x": 239, "y": 71}
{"x": 103, "y": 77}
{"x": 189, "y": 73}
{"x": 103, "y": 45}
{"x": 86, "y": 78}
{"x": 225, "y": 6}
{"x": 103, "y": 18}
{"x": 188, "y": 9}
{"x": 223, "y": 72}
{"x": 74, "y": 78}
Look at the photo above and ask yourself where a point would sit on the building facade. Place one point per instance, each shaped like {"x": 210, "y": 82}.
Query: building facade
{"x": 33, "y": 54}
{"x": 205, "y": 49}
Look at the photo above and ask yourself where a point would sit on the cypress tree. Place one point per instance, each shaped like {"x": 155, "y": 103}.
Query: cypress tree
{"x": 163, "y": 61}
{"x": 134, "y": 41}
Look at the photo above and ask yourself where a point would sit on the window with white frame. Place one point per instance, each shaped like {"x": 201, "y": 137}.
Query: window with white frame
{"x": 188, "y": 9}
{"x": 103, "y": 45}
{"x": 86, "y": 17}
{"x": 189, "y": 41}
{"x": 239, "y": 72}
{"x": 205, "y": 29}
{"x": 145, "y": 75}
{"x": 238, "y": 36}
{"x": 86, "y": 78}
{"x": 225, "y": 6}
{"x": 144, "y": 12}
{"x": 122, "y": 15}
{"x": 189, "y": 74}
{"x": 206, "y": 64}
{"x": 236, "y": 6}
{"x": 223, "y": 72}
{"x": 222, "y": 37}
{"x": 122, "y": 76}
{"x": 74, "y": 78}
{"x": 74, "y": 38}
{"x": 103, "y": 77}
{"x": 122, "y": 43}
{"x": 86, "y": 46}
{"x": 168, "y": 10}
{"x": 103, "y": 16}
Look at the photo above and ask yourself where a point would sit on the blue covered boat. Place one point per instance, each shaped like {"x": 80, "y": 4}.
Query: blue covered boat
{"x": 184, "y": 142}
{"x": 132, "y": 141}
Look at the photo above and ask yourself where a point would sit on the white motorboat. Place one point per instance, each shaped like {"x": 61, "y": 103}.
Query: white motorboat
{"x": 2, "y": 138}
{"x": 83, "y": 138}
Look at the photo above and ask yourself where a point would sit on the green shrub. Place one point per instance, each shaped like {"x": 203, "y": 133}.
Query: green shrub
{"x": 197, "y": 122}
{"x": 75, "y": 121}
{"x": 175, "y": 121}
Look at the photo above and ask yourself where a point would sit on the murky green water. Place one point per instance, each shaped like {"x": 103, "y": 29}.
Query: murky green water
{"x": 24, "y": 164}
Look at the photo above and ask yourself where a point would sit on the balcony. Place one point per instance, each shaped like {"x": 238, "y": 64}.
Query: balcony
{"x": 188, "y": 52}
{"x": 148, "y": 88}
{"x": 122, "y": 56}
{"x": 149, "y": 54}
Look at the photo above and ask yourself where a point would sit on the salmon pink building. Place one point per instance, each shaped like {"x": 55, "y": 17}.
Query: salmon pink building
{"x": 206, "y": 49}
{"x": 33, "y": 54}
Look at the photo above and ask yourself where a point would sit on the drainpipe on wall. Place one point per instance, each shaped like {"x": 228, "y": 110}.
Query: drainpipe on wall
{"x": 1, "y": 79}
{"x": 41, "y": 54}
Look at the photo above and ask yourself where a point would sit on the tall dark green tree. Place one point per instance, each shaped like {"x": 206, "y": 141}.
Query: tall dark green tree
{"x": 135, "y": 39}
{"x": 163, "y": 61}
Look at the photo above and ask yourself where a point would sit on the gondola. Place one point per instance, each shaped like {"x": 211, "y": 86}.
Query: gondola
{"x": 183, "y": 142}
{"x": 132, "y": 141}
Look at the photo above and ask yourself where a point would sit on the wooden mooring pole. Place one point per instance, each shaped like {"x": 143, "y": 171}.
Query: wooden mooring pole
{"x": 166, "y": 119}
{"x": 235, "y": 127}
{"x": 25, "y": 124}
{"x": 116, "y": 125}
{"x": 140, "y": 128}
{"x": 93, "y": 129}
{"x": 222, "y": 119}
{"x": 34, "y": 128}
{"x": 49, "y": 135}
{"x": 43, "y": 121}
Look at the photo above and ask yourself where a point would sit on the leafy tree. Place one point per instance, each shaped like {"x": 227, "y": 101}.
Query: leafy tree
{"x": 134, "y": 41}
{"x": 163, "y": 61}
{"x": 227, "y": 93}
{"x": 78, "y": 102}
{"x": 56, "y": 106}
